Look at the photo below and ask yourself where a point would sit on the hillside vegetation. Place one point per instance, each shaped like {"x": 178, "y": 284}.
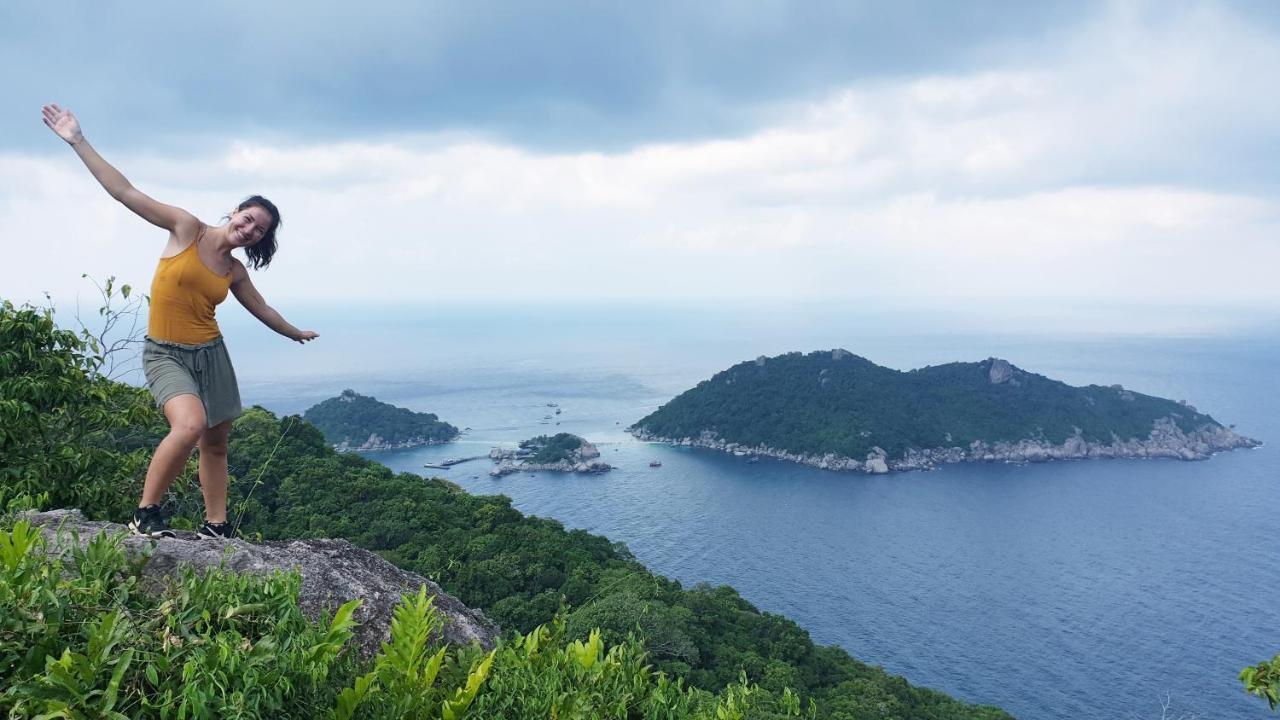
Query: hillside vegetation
{"x": 565, "y": 447}
{"x": 353, "y": 418}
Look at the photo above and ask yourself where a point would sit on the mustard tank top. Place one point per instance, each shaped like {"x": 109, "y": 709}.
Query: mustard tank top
{"x": 184, "y": 293}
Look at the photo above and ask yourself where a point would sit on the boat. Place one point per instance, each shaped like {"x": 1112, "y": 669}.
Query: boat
{"x": 655, "y": 463}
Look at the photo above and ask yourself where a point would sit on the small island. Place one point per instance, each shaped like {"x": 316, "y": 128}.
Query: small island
{"x": 352, "y": 421}
{"x": 562, "y": 452}
{"x": 838, "y": 411}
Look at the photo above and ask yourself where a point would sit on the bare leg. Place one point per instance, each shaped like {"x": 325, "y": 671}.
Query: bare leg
{"x": 213, "y": 471}
{"x": 186, "y": 424}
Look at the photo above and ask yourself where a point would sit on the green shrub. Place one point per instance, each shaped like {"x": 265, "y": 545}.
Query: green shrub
{"x": 81, "y": 639}
{"x": 1263, "y": 680}
{"x": 69, "y": 435}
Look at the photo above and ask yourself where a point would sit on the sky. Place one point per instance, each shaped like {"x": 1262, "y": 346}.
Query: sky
{"x": 1102, "y": 165}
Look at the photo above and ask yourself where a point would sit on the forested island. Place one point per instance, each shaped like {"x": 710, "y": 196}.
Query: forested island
{"x": 836, "y": 410}
{"x": 352, "y": 421}
{"x": 562, "y": 452}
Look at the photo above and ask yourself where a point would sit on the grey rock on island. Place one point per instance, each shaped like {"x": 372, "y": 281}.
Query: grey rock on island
{"x": 838, "y": 411}
{"x": 333, "y": 572}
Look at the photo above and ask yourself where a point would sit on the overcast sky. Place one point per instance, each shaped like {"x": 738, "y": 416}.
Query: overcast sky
{"x": 1097, "y": 160}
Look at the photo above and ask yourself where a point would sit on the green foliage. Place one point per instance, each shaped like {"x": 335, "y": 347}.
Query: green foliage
{"x": 554, "y": 448}
{"x": 666, "y": 630}
{"x": 69, "y": 436}
{"x": 402, "y": 681}
{"x": 352, "y": 417}
{"x": 1263, "y": 680}
{"x": 540, "y": 675}
{"x": 818, "y": 403}
{"x": 82, "y": 640}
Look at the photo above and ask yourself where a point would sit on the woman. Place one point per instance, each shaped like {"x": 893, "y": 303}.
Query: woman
{"x": 184, "y": 359}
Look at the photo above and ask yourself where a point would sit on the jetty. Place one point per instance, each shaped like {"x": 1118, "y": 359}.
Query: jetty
{"x": 446, "y": 464}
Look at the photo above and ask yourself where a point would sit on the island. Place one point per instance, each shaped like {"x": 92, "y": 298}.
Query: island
{"x": 562, "y": 452}
{"x": 352, "y": 421}
{"x": 838, "y": 411}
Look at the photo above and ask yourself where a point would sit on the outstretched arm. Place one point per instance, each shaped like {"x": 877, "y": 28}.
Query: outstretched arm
{"x": 252, "y": 301}
{"x": 67, "y": 127}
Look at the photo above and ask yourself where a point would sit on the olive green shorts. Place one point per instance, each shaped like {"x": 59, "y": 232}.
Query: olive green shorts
{"x": 203, "y": 370}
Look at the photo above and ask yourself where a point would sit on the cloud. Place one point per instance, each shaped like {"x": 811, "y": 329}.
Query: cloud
{"x": 563, "y": 76}
{"x": 1096, "y": 177}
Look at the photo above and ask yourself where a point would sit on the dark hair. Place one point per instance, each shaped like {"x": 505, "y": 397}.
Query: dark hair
{"x": 260, "y": 253}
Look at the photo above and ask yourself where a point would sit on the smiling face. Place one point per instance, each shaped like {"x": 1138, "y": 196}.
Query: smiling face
{"x": 248, "y": 226}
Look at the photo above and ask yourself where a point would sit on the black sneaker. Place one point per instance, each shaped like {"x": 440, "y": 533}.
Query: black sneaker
{"x": 220, "y": 531}
{"x": 149, "y": 521}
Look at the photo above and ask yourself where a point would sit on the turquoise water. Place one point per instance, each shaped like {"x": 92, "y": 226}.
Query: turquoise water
{"x": 1058, "y": 590}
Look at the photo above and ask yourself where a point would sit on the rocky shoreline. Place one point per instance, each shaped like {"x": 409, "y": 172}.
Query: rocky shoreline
{"x": 1166, "y": 440}
{"x": 508, "y": 467}
{"x": 375, "y": 442}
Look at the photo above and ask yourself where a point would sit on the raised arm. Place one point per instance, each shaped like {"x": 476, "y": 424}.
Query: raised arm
{"x": 242, "y": 287}
{"x": 65, "y": 125}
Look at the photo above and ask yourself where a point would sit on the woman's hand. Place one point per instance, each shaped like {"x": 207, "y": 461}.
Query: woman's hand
{"x": 306, "y": 335}
{"x": 63, "y": 123}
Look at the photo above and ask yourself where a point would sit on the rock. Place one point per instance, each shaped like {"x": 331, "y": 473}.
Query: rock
{"x": 876, "y": 462}
{"x": 760, "y": 361}
{"x": 1001, "y": 371}
{"x": 506, "y": 467}
{"x": 840, "y": 354}
{"x": 333, "y": 572}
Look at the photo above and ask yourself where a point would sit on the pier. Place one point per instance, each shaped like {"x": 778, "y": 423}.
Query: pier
{"x": 446, "y": 464}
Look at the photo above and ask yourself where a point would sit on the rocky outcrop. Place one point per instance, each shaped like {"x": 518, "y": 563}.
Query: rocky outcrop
{"x": 1001, "y": 371}
{"x": 508, "y": 467}
{"x": 333, "y": 572}
{"x": 377, "y": 442}
{"x": 1166, "y": 440}
{"x": 581, "y": 459}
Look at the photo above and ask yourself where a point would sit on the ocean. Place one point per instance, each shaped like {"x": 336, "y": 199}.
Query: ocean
{"x": 1109, "y": 589}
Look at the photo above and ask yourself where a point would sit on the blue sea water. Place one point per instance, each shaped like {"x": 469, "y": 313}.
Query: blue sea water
{"x": 1057, "y": 590}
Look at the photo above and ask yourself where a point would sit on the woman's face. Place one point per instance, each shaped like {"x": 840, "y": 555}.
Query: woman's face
{"x": 248, "y": 226}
